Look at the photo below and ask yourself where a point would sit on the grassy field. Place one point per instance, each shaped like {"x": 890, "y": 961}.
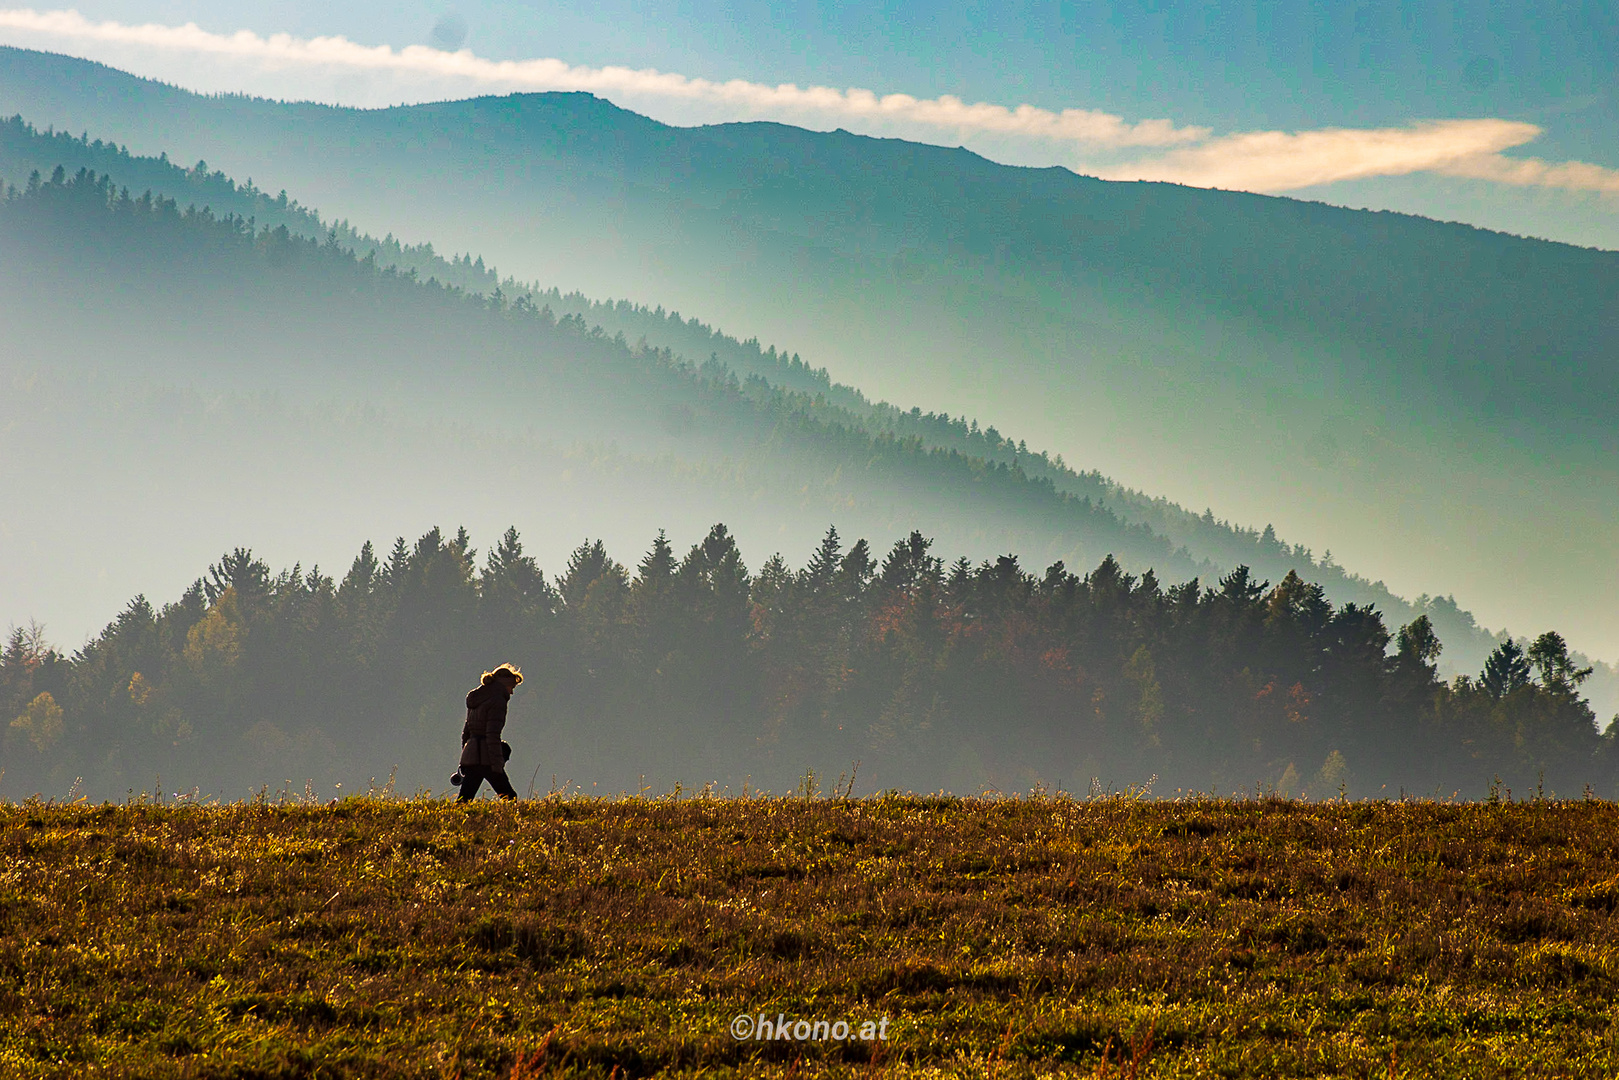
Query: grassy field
{"x": 1007, "y": 938}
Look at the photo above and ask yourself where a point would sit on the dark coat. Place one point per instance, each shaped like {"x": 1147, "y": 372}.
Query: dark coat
{"x": 486, "y": 718}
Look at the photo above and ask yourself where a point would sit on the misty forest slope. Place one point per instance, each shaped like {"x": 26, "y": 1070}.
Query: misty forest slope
{"x": 182, "y": 373}
{"x": 1213, "y": 544}
{"x": 137, "y": 328}
{"x": 1439, "y": 392}
{"x": 25, "y": 151}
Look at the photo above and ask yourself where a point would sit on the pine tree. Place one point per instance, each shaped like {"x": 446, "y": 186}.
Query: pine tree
{"x": 657, "y": 568}
{"x": 588, "y": 564}
{"x": 908, "y": 562}
{"x": 823, "y": 565}
{"x": 238, "y": 570}
{"x": 1557, "y": 671}
{"x": 1417, "y": 645}
{"x": 1506, "y": 670}
{"x": 363, "y": 576}
{"x": 512, "y": 587}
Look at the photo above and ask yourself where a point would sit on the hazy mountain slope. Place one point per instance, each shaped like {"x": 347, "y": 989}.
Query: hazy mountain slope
{"x": 108, "y": 305}
{"x": 24, "y": 150}
{"x": 1423, "y": 398}
{"x": 25, "y": 153}
{"x": 702, "y": 669}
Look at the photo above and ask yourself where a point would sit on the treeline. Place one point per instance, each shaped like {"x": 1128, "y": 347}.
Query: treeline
{"x": 692, "y": 668}
{"x": 25, "y": 150}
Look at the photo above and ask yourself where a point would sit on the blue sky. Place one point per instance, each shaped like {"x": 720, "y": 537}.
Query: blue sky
{"x": 1225, "y": 70}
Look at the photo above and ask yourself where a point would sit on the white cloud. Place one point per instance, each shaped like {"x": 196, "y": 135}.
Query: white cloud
{"x": 475, "y": 73}
{"x": 1275, "y": 161}
{"x": 1283, "y": 161}
{"x": 1532, "y": 172}
{"x": 1263, "y": 161}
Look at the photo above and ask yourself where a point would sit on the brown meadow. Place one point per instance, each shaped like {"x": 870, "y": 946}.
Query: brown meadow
{"x": 383, "y": 937}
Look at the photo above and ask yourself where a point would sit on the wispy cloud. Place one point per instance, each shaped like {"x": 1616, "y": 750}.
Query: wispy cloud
{"x": 1262, "y": 161}
{"x": 1278, "y": 161}
{"x": 1283, "y": 161}
{"x": 1532, "y": 172}
{"x": 949, "y": 113}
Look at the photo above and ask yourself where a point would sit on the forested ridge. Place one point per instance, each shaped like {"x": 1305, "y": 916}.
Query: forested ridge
{"x": 1488, "y": 315}
{"x": 220, "y": 256}
{"x": 693, "y": 668}
{"x": 1207, "y": 540}
{"x": 1422, "y": 381}
{"x": 25, "y": 150}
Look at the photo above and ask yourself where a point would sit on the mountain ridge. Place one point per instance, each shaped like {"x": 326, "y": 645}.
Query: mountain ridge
{"x": 21, "y": 148}
{"x": 1393, "y": 456}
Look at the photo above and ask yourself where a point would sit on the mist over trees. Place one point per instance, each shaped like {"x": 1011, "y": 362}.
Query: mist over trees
{"x": 1421, "y": 380}
{"x": 694, "y": 667}
{"x": 433, "y": 351}
{"x": 1212, "y": 544}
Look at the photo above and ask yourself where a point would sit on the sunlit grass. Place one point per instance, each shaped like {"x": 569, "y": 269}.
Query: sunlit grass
{"x": 567, "y": 936}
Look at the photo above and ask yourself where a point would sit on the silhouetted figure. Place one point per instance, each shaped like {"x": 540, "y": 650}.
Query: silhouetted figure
{"x": 483, "y": 755}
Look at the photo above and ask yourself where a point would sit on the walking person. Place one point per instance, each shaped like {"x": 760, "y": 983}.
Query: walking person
{"x": 483, "y": 755}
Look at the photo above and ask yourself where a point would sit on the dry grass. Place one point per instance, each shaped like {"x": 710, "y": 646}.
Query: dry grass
{"x": 1001, "y": 938}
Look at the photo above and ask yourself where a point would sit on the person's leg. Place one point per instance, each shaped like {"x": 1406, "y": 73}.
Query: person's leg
{"x": 471, "y": 779}
{"x": 501, "y": 784}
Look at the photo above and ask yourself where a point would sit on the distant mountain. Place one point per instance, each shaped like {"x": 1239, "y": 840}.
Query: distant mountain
{"x": 131, "y": 320}
{"x": 1431, "y": 400}
{"x": 172, "y": 371}
{"x": 1199, "y": 543}
{"x": 1214, "y": 546}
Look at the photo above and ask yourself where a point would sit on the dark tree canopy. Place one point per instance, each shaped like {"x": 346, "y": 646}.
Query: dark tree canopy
{"x": 695, "y": 669}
